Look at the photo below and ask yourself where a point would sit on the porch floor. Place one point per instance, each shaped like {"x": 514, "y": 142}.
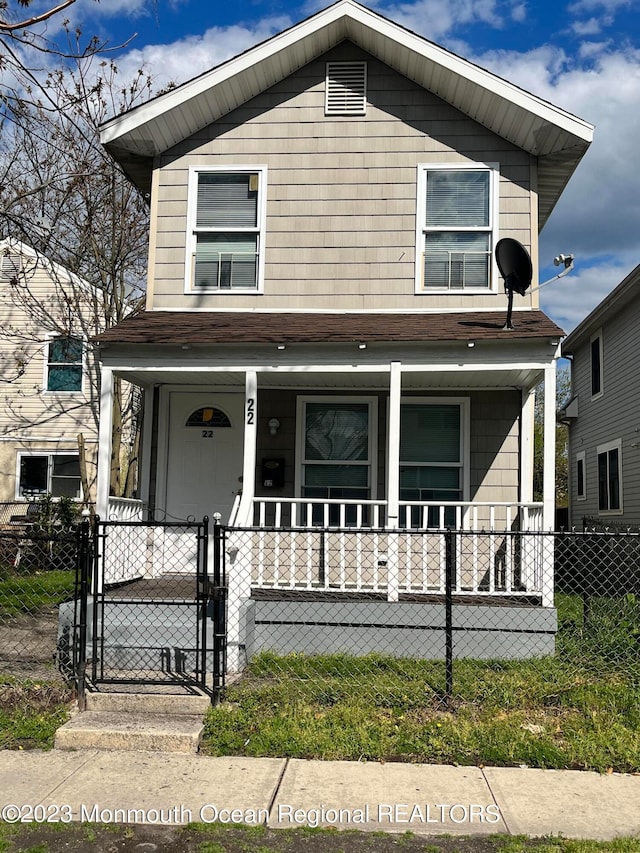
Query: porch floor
{"x": 183, "y": 588}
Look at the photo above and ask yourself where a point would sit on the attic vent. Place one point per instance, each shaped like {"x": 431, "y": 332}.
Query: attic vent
{"x": 346, "y": 88}
{"x": 10, "y": 265}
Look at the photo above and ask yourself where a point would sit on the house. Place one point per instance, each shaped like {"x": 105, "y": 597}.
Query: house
{"x": 604, "y": 412}
{"x": 48, "y": 379}
{"x": 323, "y": 353}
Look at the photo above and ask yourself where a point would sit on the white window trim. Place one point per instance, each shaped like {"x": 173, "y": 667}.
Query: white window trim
{"x": 581, "y": 457}
{"x": 605, "y": 448}
{"x": 301, "y": 403}
{"x": 494, "y": 213}
{"x": 45, "y": 370}
{"x": 191, "y": 241}
{"x": 21, "y": 454}
{"x": 465, "y": 435}
{"x": 596, "y": 336}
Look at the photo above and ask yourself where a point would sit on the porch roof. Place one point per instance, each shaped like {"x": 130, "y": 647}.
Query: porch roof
{"x": 209, "y": 328}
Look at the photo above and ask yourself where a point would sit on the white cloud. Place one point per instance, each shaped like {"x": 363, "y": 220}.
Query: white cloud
{"x": 572, "y": 298}
{"x": 188, "y": 57}
{"x": 436, "y": 18}
{"x": 591, "y": 5}
{"x": 590, "y": 27}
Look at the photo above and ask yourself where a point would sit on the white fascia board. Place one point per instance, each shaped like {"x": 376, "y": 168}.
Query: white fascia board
{"x": 473, "y": 73}
{"x": 346, "y": 10}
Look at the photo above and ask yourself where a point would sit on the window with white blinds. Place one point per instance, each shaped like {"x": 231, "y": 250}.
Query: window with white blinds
{"x": 456, "y": 215}
{"x": 225, "y": 230}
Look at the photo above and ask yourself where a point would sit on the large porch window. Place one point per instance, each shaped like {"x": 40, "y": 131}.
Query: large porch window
{"x": 335, "y": 448}
{"x": 432, "y": 456}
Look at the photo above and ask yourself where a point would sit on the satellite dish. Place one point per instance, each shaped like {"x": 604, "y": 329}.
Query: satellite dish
{"x": 515, "y": 268}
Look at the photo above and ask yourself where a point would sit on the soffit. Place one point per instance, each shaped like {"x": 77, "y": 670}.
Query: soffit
{"x": 556, "y": 137}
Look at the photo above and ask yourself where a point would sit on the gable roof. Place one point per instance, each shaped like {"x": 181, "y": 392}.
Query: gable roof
{"x": 626, "y": 292}
{"x": 556, "y": 137}
{"x": 11, "y": 246}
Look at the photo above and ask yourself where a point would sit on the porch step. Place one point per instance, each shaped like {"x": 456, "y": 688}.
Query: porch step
{"x": 185, "y": 704}
{"x": 137, "y": 722}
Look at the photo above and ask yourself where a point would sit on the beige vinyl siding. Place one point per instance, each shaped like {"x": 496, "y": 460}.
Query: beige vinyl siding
{"x": 31, "y": 419}
{"x": 614, "y": 415}
{"x": 341, "y": 193}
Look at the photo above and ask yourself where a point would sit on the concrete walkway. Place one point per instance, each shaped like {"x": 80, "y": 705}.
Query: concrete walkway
{"x": 153, "y": 787}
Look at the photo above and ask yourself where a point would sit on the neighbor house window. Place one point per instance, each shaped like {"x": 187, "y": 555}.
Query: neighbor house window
{"x": 64, "y": 364}
{"x": 57, "y": 474}
{"x": 456, "y": 219}
{"x": 581, "y": 477}
{"x": 596, "y": 365}
{"x": 610, "y": 477}
{"x": 336, "y": 439}
{"x": 432, "y": 454}
{"x": 226, "y": 230}
{"x": 10, "y": 266}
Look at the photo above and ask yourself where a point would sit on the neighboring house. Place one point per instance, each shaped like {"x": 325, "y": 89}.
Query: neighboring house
{"x": 323, "y": 341}
{"x": 604, "y": 411}
{"x": 47, "y": 379}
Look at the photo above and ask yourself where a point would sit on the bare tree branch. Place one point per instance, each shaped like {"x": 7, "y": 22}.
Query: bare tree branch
{"x": 7, "y": 27}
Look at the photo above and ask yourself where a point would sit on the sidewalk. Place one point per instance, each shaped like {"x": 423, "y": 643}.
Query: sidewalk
{"x": 150, "y": 787}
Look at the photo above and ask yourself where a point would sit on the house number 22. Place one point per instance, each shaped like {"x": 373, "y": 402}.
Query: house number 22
{"x": 251, "y": 410}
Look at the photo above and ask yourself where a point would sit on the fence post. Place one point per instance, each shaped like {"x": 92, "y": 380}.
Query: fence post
{"x": 219, "y": 611}
{"x": 84, "y": 564}
{"x": 448, "y": 604}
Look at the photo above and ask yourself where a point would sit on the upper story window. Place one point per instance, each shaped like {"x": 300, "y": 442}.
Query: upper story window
{"x": 64, "y": 364}
{"x": 226, "y": 230}
{"x": 596, "y": 365}
{"x": 456, "y": 228}
{"x": 346, "y": 88}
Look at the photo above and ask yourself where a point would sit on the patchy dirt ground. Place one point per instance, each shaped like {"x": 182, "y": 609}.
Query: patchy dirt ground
{"x": 219, "y": 839}
{"x": 28, "y": 645}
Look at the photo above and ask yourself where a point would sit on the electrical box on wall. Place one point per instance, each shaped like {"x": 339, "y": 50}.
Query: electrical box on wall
{"x": 273, "y": 473}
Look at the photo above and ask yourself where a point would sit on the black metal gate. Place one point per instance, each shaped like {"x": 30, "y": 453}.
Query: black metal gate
{"x": 149, "y": 610}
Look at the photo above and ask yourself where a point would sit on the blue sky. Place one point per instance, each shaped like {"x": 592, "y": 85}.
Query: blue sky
{"x": 582, "y": 55}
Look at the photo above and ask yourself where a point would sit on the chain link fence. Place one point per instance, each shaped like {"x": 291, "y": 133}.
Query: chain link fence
{"x": 425, "y": 618}
{"x": 433, "y": 618}
{"x": 38, "y": 556}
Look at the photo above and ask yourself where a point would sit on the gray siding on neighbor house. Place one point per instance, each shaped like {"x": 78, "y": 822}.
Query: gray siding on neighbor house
{"x": 613, "y": 415}
{"x": 341, "y": 192}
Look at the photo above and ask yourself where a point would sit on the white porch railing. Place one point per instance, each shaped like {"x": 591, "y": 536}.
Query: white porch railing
{"x": 430, "y": 515}
{"x": 344, "y": 546}
{"x": 125, "y": 509}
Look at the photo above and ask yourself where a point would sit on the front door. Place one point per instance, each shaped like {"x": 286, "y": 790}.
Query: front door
{"x": 204, "y": 467}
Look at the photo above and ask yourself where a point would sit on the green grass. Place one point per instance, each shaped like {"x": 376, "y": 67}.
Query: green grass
{"x": 34, "y": 592}
{"x": 543, "y": 712}
{"x": 31, "y": 711}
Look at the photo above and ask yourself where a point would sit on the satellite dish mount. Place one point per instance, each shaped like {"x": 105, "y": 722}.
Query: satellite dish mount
{"x": 516, "y": 269}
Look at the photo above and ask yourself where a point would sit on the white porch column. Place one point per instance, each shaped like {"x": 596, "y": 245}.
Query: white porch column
{"x": 549, "y": 484}
{"x": 393, "y": 478}
{"x": 104, "y": 442}
{"x": 526, "y": 445}
{"x": 549, "y": 457}
{"x": 393, "y": 445}
{"x": 250, "y": 438}
{"x": 240, "y": 543}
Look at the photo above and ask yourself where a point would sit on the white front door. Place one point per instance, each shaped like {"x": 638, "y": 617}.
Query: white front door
{"x": 204, "y": 465}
